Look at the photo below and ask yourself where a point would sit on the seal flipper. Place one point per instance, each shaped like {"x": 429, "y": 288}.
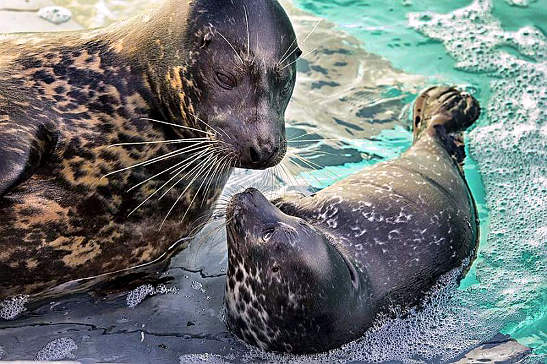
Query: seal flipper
{"x": 22, "y": 150}
{"x": 445, "y": 112}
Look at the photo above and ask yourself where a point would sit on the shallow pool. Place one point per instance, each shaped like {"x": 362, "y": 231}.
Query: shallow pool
{"x": 366, "y": 63}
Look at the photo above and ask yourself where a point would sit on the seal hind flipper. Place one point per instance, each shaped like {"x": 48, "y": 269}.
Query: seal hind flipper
{"x": 446, "y": 112}
{"x": 22, "y": 149}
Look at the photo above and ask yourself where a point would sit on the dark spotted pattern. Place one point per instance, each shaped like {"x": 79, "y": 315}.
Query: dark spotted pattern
{"x": 63, "y": 100}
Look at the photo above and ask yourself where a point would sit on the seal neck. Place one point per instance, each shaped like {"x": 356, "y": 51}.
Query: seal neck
{"x": 156, "y": 45}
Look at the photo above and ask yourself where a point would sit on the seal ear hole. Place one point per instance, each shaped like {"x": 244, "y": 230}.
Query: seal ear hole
{"x": 207, "y": 37}
{"x": 267, "y": 234}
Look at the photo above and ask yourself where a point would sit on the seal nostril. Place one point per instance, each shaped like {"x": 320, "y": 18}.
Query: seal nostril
{"x": 255, "y": 157}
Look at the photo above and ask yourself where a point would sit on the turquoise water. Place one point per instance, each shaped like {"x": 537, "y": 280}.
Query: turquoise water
{"x": 497, "y": 51}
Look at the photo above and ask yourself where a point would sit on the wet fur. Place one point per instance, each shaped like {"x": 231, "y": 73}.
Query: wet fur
{"x": 63, "y": 100}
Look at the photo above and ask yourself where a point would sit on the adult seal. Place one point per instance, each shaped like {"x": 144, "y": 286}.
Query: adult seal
{"x": 308, "y": 274}
{"x": 116, "y": 143}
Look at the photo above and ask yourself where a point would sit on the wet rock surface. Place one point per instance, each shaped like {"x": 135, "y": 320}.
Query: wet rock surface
{"x": 500, "y": 349}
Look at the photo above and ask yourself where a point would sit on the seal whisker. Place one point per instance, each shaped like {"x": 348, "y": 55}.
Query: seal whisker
{"x": 296, "y": 60}
{"x": 170, "y": 168}
{"x": 281, "y": 170}
{"x": 213, "y": 232}
{"x": 212, "y": 128}
{"x": 155, "y": 159}
{"x": 304, "y": 159}
{"x": 307, "y": 166}
{"x": 288, "y": 49}
{"x": 304, "y": 41}
{"x": 291, "y": 178}
{"x": 172, "y": 141}
{"x": 218, "y": 169}
{"x": 248, "y": 34}
{"x": 314, "y": 140}
{"x": 231, "y": 46}
{"x": 192, "y": 159}
{"x": 196, "y": 175}
{"x": 208, "y": 171}
{"x": 159, "y": 189}
{"x": 316, "y": 153}
{"x": 190, "y": 173}
{"x": 176, "y": 125}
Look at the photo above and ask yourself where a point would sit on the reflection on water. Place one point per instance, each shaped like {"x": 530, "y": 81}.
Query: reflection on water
{"x": 350, "y": 110}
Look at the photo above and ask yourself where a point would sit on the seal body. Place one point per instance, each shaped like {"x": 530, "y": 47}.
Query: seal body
{"x": 116, "y": 143}
{"x": 309, "y": 274}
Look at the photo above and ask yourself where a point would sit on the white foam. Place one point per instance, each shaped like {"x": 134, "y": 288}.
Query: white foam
{"x": 55, "y": 14}
{"x": 136, "y": 296}
{"x": 58, "y": 349}
{"x": 205, "y": 358}
{"x": 12, "y": 307}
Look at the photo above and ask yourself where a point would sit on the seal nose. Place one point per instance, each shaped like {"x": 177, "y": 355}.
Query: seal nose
{"x": 263, "y": 156}
{"x": 251, "y": 201}
{"x": 251, "y": 194}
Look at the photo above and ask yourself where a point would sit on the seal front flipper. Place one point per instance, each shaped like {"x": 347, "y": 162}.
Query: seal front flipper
{"x": 23, "y": 149}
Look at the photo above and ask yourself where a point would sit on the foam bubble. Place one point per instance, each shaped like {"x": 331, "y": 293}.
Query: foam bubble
{"x": 136, "y": 296}
{"x": 55, "y": 14}
{"x": 431, "y": 334}
{"x": 205, "y": 358}
{"x": 58, "y": 349}
{"x": 12, "y": 307}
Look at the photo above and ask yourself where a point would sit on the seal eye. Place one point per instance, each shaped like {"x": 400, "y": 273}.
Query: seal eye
{"x": 225, "y": 81}
{"x": 275, "y": 268}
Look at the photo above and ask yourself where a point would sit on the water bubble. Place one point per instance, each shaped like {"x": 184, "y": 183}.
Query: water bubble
{"x": 136, "y": 296}
{"x": 55, "y": 14}
{"x": 58, "y": 349}
{"x": 12, "y": 307}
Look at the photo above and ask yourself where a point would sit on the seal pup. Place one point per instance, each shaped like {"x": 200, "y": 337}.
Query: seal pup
{"x": 108, "y": 135}
{"x": 308, "y": 274}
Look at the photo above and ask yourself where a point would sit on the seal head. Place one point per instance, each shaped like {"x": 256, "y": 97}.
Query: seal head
{"x": 243, "y": 71}
{"x": 288, "y": 285}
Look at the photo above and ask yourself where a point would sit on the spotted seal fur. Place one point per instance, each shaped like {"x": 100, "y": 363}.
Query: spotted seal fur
{"x": 184, "y": 95}
{"x": 308, "y": 274}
